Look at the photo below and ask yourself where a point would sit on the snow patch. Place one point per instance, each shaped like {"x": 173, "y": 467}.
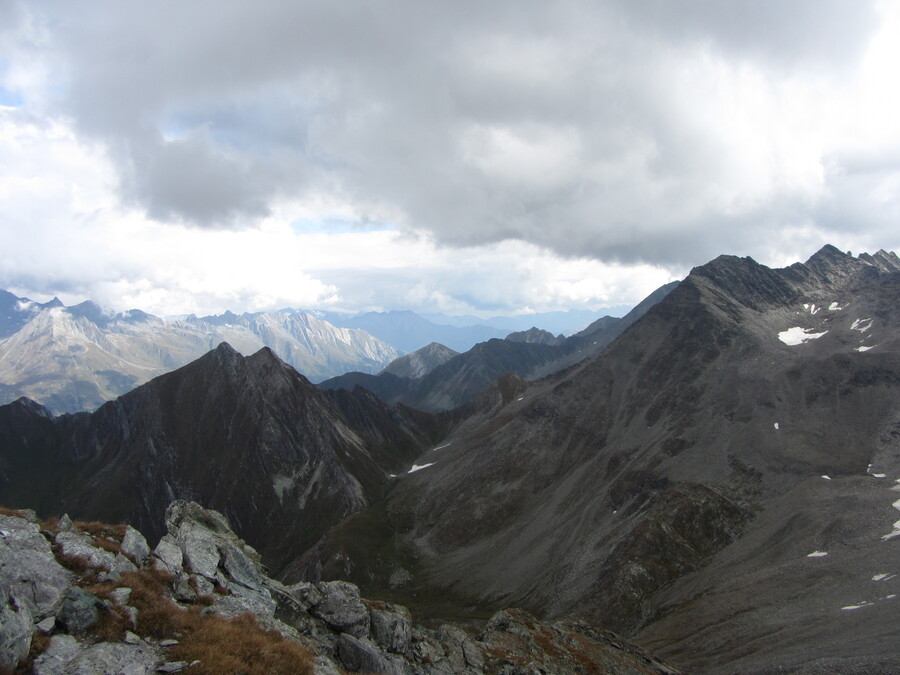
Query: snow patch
{"x": 863, "y": 348}
{"x": 834, "y": 306}
{"x": 826, "y": 476}
{"x": 776, "y": 426}
{"x": 796, "y": 335}
{"x": 817, "y": 554}
{"x": 441, "y": 447}
{"x": 859, "y": 606}
{"x": 883, "y": 577}
{"x": 812, "y": 309}
{"x": 521, "y": 398}
{"x": 858, "y": 325}
{"x": 417, "y": 467}
{"x": 281, "y": 483}
{"x": 896, "y": 532}
{"x": 879, "y": 475}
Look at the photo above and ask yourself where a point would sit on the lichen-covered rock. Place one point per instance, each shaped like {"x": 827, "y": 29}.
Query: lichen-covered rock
{"x": 305, "y": 593}
{"x": 341, "y": 608}
{"x": 134, "y": 545}
{"x": 28, "y": 569}
{"x": 210, "y": 550}
{"x": 80, "y": 610}
{"x": 167, "y": 555}
{"x": 391, "y": 627}
{"x": 80, "y": 545}
{"x": 360, "y": 655}
{"x": 15, "y": 632}
{"x": 67, "y": 656}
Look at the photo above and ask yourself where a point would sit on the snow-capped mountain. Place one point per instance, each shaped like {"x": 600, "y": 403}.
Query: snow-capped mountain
{"x": 75, "y": 358}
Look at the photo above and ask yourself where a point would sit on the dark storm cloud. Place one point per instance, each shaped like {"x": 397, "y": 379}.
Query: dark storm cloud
{"x": 586, "y": 127}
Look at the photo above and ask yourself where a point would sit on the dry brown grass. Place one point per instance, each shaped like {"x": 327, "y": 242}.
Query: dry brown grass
{"x": 238, "y": 646}
{"x": 39, "y": 643}
{"x": 6, "y": 511}
{"x": 222, "y": 646}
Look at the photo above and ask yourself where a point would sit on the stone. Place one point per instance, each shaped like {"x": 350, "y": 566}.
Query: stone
{"x": 182, "y": 588}
{"x": 305, "y": 593}
{"x": 62, "y": 650}
{"x": 67, "y": 656}
{"x": 361, "y": 655}
{"x": 391, "y": 628}
{"x": 135, "y": 546}
{"x": 180, "y": 512}
{"x": 65, "y": 524}
{"x": 241, "y": 568}
{"x": 47, "y": 625}
{"x": 120, "y": 595}
{"x": 132, "y": 613}
{"x": 167, "y": 555}
{"x": 341, "y": 608}
{"x": 123, "y": 564}
{"x": 473, "y": 655}
{"x": 80, "y": 545}
{"x": 29, "y": 570}
{"x": 80, "y": 610}
{"x": 201, "y": 555}
{"x": 131, "y": 638}
{"x": 172, "y": 667}
{"x": 325, "y": 666}
{"x": 15, "y": 633}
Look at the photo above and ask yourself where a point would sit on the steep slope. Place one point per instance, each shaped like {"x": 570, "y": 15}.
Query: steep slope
{"x": 658, "y": 487}
{"x": 420, "y": 362}
{"x": 76, "y": 358}
{"x": 248, "y": 436}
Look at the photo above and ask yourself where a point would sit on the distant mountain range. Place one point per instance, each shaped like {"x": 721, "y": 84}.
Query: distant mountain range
{"x": 408, "y": 331}
{"x": 442, "y": 380}
{"x": 76, "y": 358}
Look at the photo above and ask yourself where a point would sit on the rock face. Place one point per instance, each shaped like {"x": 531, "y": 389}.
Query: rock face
{"x": 659, "y": 486}
{"x": 208, "y": 565}
{"x": 250, "y": 436}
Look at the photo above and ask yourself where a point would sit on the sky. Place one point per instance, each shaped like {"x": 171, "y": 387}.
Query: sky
{"x": 465, "y": 158}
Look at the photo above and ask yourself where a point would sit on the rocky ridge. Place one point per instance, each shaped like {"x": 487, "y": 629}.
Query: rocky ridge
{"x": 93, "y": 598}
{"x": 685, "y": 485}
{"x": 249, "y": 436}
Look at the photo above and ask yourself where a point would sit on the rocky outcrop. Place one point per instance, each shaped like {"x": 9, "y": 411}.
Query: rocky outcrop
{"x": 203, "y": 572}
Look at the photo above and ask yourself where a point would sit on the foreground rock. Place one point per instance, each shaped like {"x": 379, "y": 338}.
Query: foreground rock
{"x": 100, "y": 620}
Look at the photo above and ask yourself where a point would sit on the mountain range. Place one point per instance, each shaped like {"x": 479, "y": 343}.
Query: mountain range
{"x": 716, "y": 479}
{"x": 442, "y": 380}
{"x": 75, "y": 358}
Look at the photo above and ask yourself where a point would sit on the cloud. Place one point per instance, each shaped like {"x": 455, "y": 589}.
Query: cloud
{"x": 642, "y": 133}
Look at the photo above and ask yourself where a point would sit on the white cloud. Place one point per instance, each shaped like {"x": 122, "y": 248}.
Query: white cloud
{"x": 574, "y": 153}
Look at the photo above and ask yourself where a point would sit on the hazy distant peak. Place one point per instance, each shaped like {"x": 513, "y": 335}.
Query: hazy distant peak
{"x": 420, "y": 362}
